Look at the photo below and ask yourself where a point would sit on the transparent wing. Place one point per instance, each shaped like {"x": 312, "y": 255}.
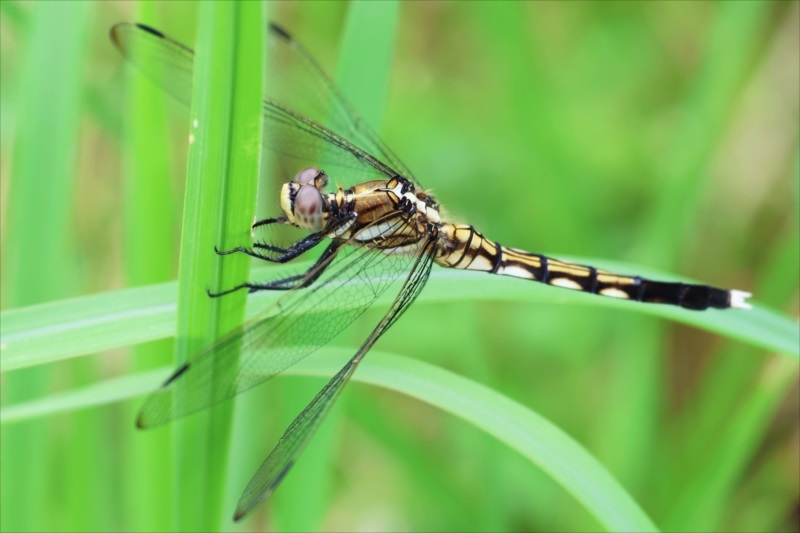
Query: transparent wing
{"x": 298, "y": 434}
{"x": 297, "y": 324}
{"x": 306, "y": 119}
{"x": 297, "y": 81}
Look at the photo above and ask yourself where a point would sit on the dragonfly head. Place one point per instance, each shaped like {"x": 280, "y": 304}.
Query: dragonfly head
{"x": 302, "y": 201}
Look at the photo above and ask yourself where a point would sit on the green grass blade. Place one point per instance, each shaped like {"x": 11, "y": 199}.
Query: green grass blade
{"x": 532, "y": 436}
{"x": 38, "y": 235}
{"x": 706, "y": 108}
{"x": 736, "y": 380}
{"x": 131, "y": 316}
{"x": 219, "y": 207}
{"x": 96, "y": 394}
{"x": 365, "y": 57}
{"x": 706, "y": 111}
{"x": 702, "y": 504}
{"x": 513, "y": 424}
{"x": 48, "y": 332}
{"x": 149, "y": 212}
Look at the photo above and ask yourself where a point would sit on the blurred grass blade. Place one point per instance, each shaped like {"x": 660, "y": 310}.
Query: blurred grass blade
{"x": 737, "y": 380}
{"x": 705, "y": 110}
{"x": 96, "y": 394}
{"x": 708, "y": 108}
{"x": 39, "y": 236}
{"x": 30, "y": 336}
{"x": 702, "y": 504}
{"x": 365, "y": 58}
{"x": 518, "y": 427}
{"x": 513, "y": 424}
{"x": 150, "y": 216}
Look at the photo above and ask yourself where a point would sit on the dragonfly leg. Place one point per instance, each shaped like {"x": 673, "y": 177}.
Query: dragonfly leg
{"x": 277, "y": 285}
{"x": 268, "y": 221}
{"x": 293, "y": 251}
{"x": 296, "y": 249}
{"x": 283, "y": 284}
{"x": 298, "y": 281}
{"x": 285, "y": 254}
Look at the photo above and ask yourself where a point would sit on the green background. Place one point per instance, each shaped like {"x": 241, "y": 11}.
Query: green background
{"x": 661, "y": 134}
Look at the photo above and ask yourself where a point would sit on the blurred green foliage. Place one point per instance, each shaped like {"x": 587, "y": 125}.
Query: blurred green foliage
{"x": 660, "y": 133}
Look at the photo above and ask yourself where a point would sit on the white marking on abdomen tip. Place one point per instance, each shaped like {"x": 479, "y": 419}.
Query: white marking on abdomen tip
{"x": 565, "y": 283}
{"x": 516, "y": 272}
{"x": 738, "y": 299}
{"x": 614, "y": 293}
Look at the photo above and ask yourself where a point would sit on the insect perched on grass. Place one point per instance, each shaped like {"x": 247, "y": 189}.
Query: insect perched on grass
{"x": 383, "y": 231}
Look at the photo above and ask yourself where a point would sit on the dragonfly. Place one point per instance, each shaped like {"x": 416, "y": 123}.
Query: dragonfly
{"x": 383, "y": 232}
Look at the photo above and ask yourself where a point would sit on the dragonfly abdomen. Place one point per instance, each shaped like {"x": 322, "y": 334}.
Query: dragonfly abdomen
{"x": 463, "y": 247}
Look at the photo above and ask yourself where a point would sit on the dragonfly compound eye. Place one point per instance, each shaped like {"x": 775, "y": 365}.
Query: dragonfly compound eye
{"x": 312, "y": 176}
{"x": 306, "y": 176}
{"x": 308, "y": 207}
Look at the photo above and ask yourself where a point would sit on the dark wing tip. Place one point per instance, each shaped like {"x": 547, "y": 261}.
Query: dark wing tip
{"x": 118, "y": 31}
{"x": 125, "y": 31}
{"x": 280, "y": 31}
{"x": 146, "y": 419}
{"x": 176, "y": 374}
{"x": 247, "y": 503}
{"x": 150, "y": 29}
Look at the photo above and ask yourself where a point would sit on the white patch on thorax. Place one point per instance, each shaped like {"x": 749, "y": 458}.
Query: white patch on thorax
{"x": 374, "y": 231}
{"x": 421, "y": 206}
{"x": 403, "y": 251}
{"x": 339, "y": 232}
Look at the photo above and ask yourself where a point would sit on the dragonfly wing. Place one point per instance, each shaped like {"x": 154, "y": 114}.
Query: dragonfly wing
{"x": 305, "y": 115}
{"x": 298, "y": 323}
{"x": 165, "y": 61}
{"x": 298, "y": 142}
{"x": 297, "y": 81}
{"x": 300, "y": 431}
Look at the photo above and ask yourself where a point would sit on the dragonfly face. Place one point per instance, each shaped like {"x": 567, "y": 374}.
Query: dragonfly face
{"x": 383, "y": 232}
{"x": 302, "y": 200}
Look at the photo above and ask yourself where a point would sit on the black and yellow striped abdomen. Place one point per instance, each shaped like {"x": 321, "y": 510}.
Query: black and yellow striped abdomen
{"x": 461, "y": 246}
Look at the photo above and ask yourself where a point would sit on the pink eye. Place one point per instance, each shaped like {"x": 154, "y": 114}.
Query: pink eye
{"x": 308, "y": 201}
{"x": 307, "y": 176}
